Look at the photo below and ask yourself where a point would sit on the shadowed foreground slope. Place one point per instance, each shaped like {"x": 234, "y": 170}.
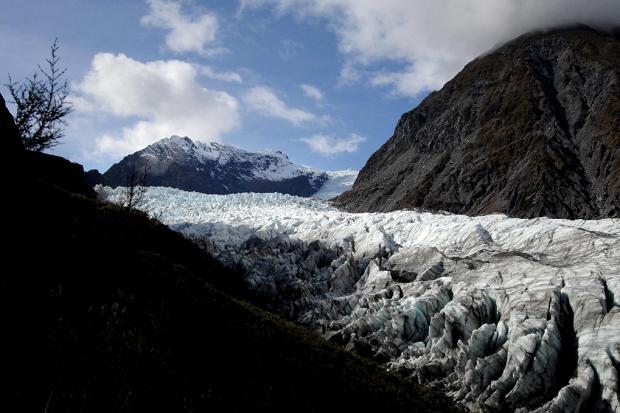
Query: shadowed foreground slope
{"x": 109, "y": 311}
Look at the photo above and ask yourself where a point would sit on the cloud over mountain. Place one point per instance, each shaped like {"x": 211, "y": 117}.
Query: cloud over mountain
{"x": 431, "y": 40}
{"x": 157, "y": 98}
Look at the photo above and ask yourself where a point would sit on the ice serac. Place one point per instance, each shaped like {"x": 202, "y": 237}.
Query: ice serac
{"x": 530, "y": 129}
{"x": 505, "y": 314}
{"x": 216, "y": 168}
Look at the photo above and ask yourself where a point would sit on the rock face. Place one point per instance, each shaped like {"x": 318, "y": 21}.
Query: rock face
{"x": 504, "y": 314}
{"x": 214, "y": 168}
{"x": 530, "y": 129}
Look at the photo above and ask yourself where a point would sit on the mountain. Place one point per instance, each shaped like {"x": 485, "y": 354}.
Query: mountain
{"x": 215, "y": 168}
{"x": 106, "y": 309}
{"x": 529, "y": 129}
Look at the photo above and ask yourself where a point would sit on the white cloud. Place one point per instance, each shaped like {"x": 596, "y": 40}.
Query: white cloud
{"x": 327, "y": 145}
{"x": 312, "y": 92}
{"x": 186, "y": 34}
{"x": 211, "y": 73}
{"x": 163, "y": 96}
{"x": 433, "y": 39}
{"x": 348, "y": 75}
{"x": 264, "y": 101}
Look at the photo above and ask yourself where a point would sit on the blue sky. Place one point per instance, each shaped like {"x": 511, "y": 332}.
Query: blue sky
{"x": 325, "y": 81}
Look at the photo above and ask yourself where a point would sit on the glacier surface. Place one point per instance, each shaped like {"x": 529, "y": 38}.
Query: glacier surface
{"x": 504, "y": 314}
{"x": 337, "y": 183}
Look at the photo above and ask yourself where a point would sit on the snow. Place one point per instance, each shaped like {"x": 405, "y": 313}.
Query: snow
{"x": 338, "y": 182}
{"x": 485, "y": 306}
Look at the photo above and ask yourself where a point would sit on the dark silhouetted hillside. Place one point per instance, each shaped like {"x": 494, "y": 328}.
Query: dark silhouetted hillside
{"x": 107, "y": 310}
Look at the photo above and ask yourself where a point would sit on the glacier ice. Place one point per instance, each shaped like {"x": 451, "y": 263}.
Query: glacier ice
{"x": 503, "y": 313}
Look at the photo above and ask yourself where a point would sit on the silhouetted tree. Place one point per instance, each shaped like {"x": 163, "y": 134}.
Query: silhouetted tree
{"x": 42, "y": 104}
{"x": 134, "y": 191}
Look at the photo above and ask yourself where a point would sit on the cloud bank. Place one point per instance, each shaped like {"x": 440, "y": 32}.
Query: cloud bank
{"x": 161, "y": 98}
{"x": 431, "y": 40}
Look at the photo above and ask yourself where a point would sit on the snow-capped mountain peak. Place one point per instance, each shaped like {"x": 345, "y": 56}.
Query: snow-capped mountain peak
{"x": 213, "y": 167}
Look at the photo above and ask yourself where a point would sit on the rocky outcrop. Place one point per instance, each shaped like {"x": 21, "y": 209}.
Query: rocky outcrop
{"x": 504, "y": 314}
{"x": 215, "y": 168}
{"x": 530, "y": 129}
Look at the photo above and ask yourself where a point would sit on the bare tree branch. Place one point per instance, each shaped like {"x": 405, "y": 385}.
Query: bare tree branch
{"x": 134, "y": 193}
{"x": 42, "y": 104}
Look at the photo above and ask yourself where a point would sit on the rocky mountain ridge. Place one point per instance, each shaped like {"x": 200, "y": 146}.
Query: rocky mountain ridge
{"x": 530, "y": 129}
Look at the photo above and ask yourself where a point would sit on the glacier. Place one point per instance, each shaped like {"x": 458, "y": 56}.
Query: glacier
{"x": 504, "y": 314}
